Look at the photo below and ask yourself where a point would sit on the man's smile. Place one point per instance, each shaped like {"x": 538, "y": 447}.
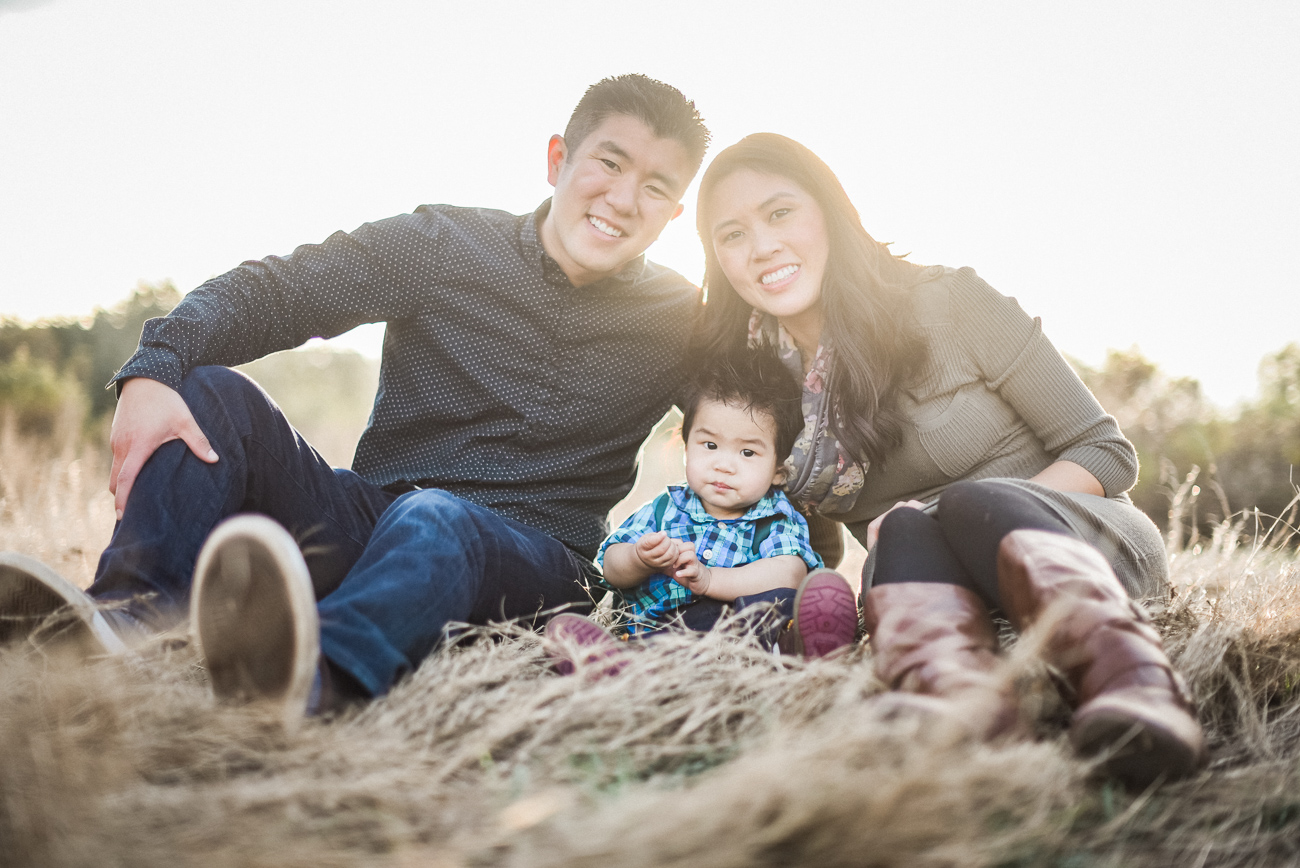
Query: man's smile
{"x": 611, "y": 231}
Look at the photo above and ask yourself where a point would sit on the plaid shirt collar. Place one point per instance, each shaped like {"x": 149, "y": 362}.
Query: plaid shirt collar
{"x": 689, "y": 502}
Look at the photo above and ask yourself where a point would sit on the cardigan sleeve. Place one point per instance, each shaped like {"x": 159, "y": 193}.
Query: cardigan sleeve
{"x": 1018, "y": 362}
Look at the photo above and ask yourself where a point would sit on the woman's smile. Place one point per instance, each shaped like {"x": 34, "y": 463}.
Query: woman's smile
{"x": 777, "y": 277}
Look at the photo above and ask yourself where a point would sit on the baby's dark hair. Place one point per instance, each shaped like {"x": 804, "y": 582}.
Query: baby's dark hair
{"x": 754, "y": 379}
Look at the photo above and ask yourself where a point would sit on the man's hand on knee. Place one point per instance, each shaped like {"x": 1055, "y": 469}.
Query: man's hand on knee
{"x": 149, "y": 414}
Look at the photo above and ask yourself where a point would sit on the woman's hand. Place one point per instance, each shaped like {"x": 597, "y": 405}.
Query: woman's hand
{"x": 690, "y": 573}
{"x": 873, "y": 529}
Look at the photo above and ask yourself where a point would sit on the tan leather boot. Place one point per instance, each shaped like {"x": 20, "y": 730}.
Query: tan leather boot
{"x": 1127, "y": 697}
{"x": 937, "y": 640}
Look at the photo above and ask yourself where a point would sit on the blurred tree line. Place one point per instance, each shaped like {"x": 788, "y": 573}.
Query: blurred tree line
{"x": 53, "y": 374}
{"x": 54, "y": 368}
{"x": 1202, "y": 464}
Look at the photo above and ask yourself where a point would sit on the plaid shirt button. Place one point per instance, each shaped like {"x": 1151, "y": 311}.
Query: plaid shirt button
{"x": 708, "y": 553}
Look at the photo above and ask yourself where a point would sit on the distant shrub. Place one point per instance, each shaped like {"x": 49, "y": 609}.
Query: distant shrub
{"x": 84, "y": 352}
{"x": 37, "y": 397}
{"x": 1198, "y": 462}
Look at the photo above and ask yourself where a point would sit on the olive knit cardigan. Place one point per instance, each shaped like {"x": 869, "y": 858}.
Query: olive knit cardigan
{"x": 995, "y": 399}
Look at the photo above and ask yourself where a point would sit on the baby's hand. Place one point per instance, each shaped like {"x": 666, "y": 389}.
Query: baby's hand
{"x": 690, "y": 573}
{"x": 656, "y": 551}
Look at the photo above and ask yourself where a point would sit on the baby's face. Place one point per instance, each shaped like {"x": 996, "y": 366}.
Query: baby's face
{"x": 730, "y": 458}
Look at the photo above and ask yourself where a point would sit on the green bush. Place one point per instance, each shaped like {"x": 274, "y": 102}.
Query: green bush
{"x": 36, "y": 396}
{"x": 82, "y": 352}
{"x": 1203, "y": 465}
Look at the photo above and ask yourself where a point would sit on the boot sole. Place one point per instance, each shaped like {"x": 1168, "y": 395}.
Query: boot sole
{"x": 1137, "y": 751}
{"x": 253, "y": 613}
{"x": 825, "y": 614}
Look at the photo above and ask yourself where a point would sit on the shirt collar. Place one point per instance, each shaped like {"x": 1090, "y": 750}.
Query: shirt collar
{"x": 689, "y": 502}
{"x": 551, "y": 271}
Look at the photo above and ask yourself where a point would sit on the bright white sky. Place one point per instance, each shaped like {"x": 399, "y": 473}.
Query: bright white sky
{"x": 1129, "y": 171}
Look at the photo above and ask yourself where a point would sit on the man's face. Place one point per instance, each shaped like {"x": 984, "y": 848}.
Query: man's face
{"x": 614, "y": 193}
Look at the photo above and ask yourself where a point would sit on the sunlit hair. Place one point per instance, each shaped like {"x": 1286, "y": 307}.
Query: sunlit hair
{"x": 754, "y": 380}
{"x": 661, "y": 107}
{"x": 866, "y": 319}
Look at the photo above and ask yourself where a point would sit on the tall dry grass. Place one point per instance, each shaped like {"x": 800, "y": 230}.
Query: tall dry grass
{"x": 705, "y": 751}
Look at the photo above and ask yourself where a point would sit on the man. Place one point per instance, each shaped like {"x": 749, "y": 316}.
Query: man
{"x": 513, "y": 398}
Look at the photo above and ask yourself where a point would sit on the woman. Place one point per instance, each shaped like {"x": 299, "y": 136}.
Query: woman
{"x": 956, "y": 443}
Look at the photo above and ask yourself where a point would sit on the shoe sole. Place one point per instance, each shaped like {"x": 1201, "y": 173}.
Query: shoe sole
{"x": 825, "y": 614}
{"x": 37, "y": 603}
{"x": 253, "y": 615}
{"x": 573, "y": 640}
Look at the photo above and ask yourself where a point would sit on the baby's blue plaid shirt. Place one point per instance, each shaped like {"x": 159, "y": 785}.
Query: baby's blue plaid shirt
{"x": 718, "y": 543}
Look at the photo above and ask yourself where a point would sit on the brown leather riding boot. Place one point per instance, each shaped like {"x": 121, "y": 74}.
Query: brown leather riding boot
{"x": 1127, "y": 697}
{"x": 937, "y": 640}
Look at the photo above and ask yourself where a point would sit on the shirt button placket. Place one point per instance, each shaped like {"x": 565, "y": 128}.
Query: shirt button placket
{"x": 710, "y": 540}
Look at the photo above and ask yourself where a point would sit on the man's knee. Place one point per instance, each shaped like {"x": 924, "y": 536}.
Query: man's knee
{"x": 434, "y": 507}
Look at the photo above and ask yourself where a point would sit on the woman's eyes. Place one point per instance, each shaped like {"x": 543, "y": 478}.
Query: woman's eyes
{"x": 736, "y": 233}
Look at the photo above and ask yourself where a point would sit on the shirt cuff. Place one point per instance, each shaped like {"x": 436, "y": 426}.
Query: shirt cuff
{"x": 156, "y": 363}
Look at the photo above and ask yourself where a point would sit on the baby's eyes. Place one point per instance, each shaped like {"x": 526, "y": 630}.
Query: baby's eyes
{"x": 712, "y": 447}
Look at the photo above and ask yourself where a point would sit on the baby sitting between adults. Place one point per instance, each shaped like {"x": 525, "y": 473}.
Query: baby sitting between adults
{"x": 729, "y": 537}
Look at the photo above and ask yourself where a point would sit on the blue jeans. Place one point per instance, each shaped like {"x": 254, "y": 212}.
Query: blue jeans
{"x": 389, "y": 571}
{"x": 702, "y": 614}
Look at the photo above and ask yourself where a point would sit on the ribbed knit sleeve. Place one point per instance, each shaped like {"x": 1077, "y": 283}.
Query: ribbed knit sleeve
{"x": 1019, "y": 363}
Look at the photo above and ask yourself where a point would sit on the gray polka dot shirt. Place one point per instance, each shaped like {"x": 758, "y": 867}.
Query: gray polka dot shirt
{"x": 500, "y": 382}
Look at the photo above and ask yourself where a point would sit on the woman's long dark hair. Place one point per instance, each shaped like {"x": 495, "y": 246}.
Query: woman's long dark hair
{"x": 865, "y": 310}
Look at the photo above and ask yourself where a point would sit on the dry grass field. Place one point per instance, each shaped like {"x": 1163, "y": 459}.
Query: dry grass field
{"x": 704, "y": 752}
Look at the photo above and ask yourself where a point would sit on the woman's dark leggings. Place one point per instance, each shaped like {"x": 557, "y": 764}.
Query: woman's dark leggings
{"x": 958, "y": 545}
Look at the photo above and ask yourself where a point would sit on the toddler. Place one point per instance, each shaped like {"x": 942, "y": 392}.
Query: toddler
{"x": 729, "y": 537}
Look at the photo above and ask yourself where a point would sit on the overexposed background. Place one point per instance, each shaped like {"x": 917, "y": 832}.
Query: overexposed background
{"x": 1126, "y": 170}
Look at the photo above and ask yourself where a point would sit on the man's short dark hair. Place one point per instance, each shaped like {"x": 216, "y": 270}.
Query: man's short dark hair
{"x": 659, "y": 106}
{"x": 754, "y": 379}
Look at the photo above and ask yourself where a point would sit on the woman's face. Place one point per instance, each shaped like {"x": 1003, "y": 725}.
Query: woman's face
{"x": 770, "y": 238}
